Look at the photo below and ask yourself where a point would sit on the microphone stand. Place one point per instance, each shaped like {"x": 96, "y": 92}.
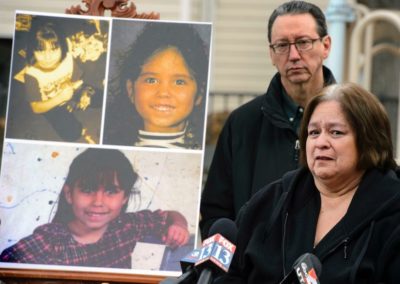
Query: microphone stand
{"x": 205, "y": 277}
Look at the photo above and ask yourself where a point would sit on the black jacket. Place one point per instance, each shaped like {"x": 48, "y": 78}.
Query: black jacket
{"x": 256, "y": 146}
{"x": 278, "y": 225}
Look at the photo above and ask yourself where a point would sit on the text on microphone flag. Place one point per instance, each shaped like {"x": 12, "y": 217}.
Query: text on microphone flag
{"x": 218, "y": 250}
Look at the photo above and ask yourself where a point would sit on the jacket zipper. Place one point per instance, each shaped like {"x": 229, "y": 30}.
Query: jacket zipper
{"x": 345, "y": 243}
{"x": 296, "y": 150}
{"x": 284, "y": 243}
{"x": 346, "y": 240}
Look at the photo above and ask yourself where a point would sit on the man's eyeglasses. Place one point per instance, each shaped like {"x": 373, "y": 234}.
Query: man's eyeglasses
{"x": 301, "y": 45}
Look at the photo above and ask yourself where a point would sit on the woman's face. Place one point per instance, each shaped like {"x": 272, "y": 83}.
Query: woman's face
{"x": 331, "y": 144}
{"x": 94, "y": 208}
{"x": 165, "y": 92}
{"x": 49, "y": 57}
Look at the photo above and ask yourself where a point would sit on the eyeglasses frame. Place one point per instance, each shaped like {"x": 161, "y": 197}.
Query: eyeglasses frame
{"x": 312, "y": 40}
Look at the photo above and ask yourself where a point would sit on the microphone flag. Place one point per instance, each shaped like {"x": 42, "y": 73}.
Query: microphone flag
{"x": 218, "y": 250}
{"x": 305, "y": 269}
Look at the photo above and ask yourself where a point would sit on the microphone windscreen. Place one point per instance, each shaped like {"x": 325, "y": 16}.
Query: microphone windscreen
{"x": 226, "y": 227}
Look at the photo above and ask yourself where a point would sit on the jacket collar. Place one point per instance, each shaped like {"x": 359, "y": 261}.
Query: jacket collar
{"x": 378, "y": 196}
{"x": 272, "y": 104}
{"x": 380, "y": 193}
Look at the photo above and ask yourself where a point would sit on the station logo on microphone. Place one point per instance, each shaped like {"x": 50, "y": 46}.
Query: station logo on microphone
{"x": 192, "y": 257}
{"x": 218, "y": 250}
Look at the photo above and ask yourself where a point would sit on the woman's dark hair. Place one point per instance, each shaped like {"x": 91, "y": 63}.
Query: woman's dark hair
{"x": 41, "y": 31}
{"x": 153, "y": 38}
{"x": 296, "y": 8}
{"x": 367, "y": 118}
{"x": 88, "y": 166}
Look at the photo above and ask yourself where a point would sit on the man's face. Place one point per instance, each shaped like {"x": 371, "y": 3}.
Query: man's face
{"x": 298, "y": 67}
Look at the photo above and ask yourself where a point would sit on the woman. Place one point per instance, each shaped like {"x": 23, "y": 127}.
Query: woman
{"x": 343, "y": 205}
{"x": 162, "y": 85}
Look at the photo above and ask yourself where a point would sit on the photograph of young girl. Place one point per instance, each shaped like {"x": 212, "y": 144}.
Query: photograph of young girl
{"x": 54, "y": 93}
{"x": 92, "y": 207}
{"x": 158, "y": 84}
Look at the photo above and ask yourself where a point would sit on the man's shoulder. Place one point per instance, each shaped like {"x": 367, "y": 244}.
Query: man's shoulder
{"x": 250, "y": 111}
{"x": 254, "y": 103}
{"x": 256, "y": 106}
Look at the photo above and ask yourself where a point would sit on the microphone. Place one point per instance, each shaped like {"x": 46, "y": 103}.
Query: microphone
{"x": 189, "y": 272}
{"x": 188, "y": 261}
{"x": 306, "y": 269}
{"x": 217, "y": 251}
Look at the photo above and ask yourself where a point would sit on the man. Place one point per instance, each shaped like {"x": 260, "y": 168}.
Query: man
{"x": 259, "y": 141}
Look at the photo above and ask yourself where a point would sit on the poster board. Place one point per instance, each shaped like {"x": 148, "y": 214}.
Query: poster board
{"x": 79, "y": 84}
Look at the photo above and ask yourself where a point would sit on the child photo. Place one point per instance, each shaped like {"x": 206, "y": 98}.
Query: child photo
{"x": 102, "y": 160}
{"x": 158, "y": 89}
{"x": 94, "y": 207}
{"x": 58, "y": 76}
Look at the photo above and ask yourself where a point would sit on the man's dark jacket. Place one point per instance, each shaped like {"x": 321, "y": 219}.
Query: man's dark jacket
{"x": 257, "y": 145}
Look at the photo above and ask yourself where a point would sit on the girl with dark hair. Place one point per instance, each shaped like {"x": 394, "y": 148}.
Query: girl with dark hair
{"x": 91, "y": 227}
{"x": 57, "y": 89}
{"x": 162, "y": 86}
{"x": 52, "y": 79}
